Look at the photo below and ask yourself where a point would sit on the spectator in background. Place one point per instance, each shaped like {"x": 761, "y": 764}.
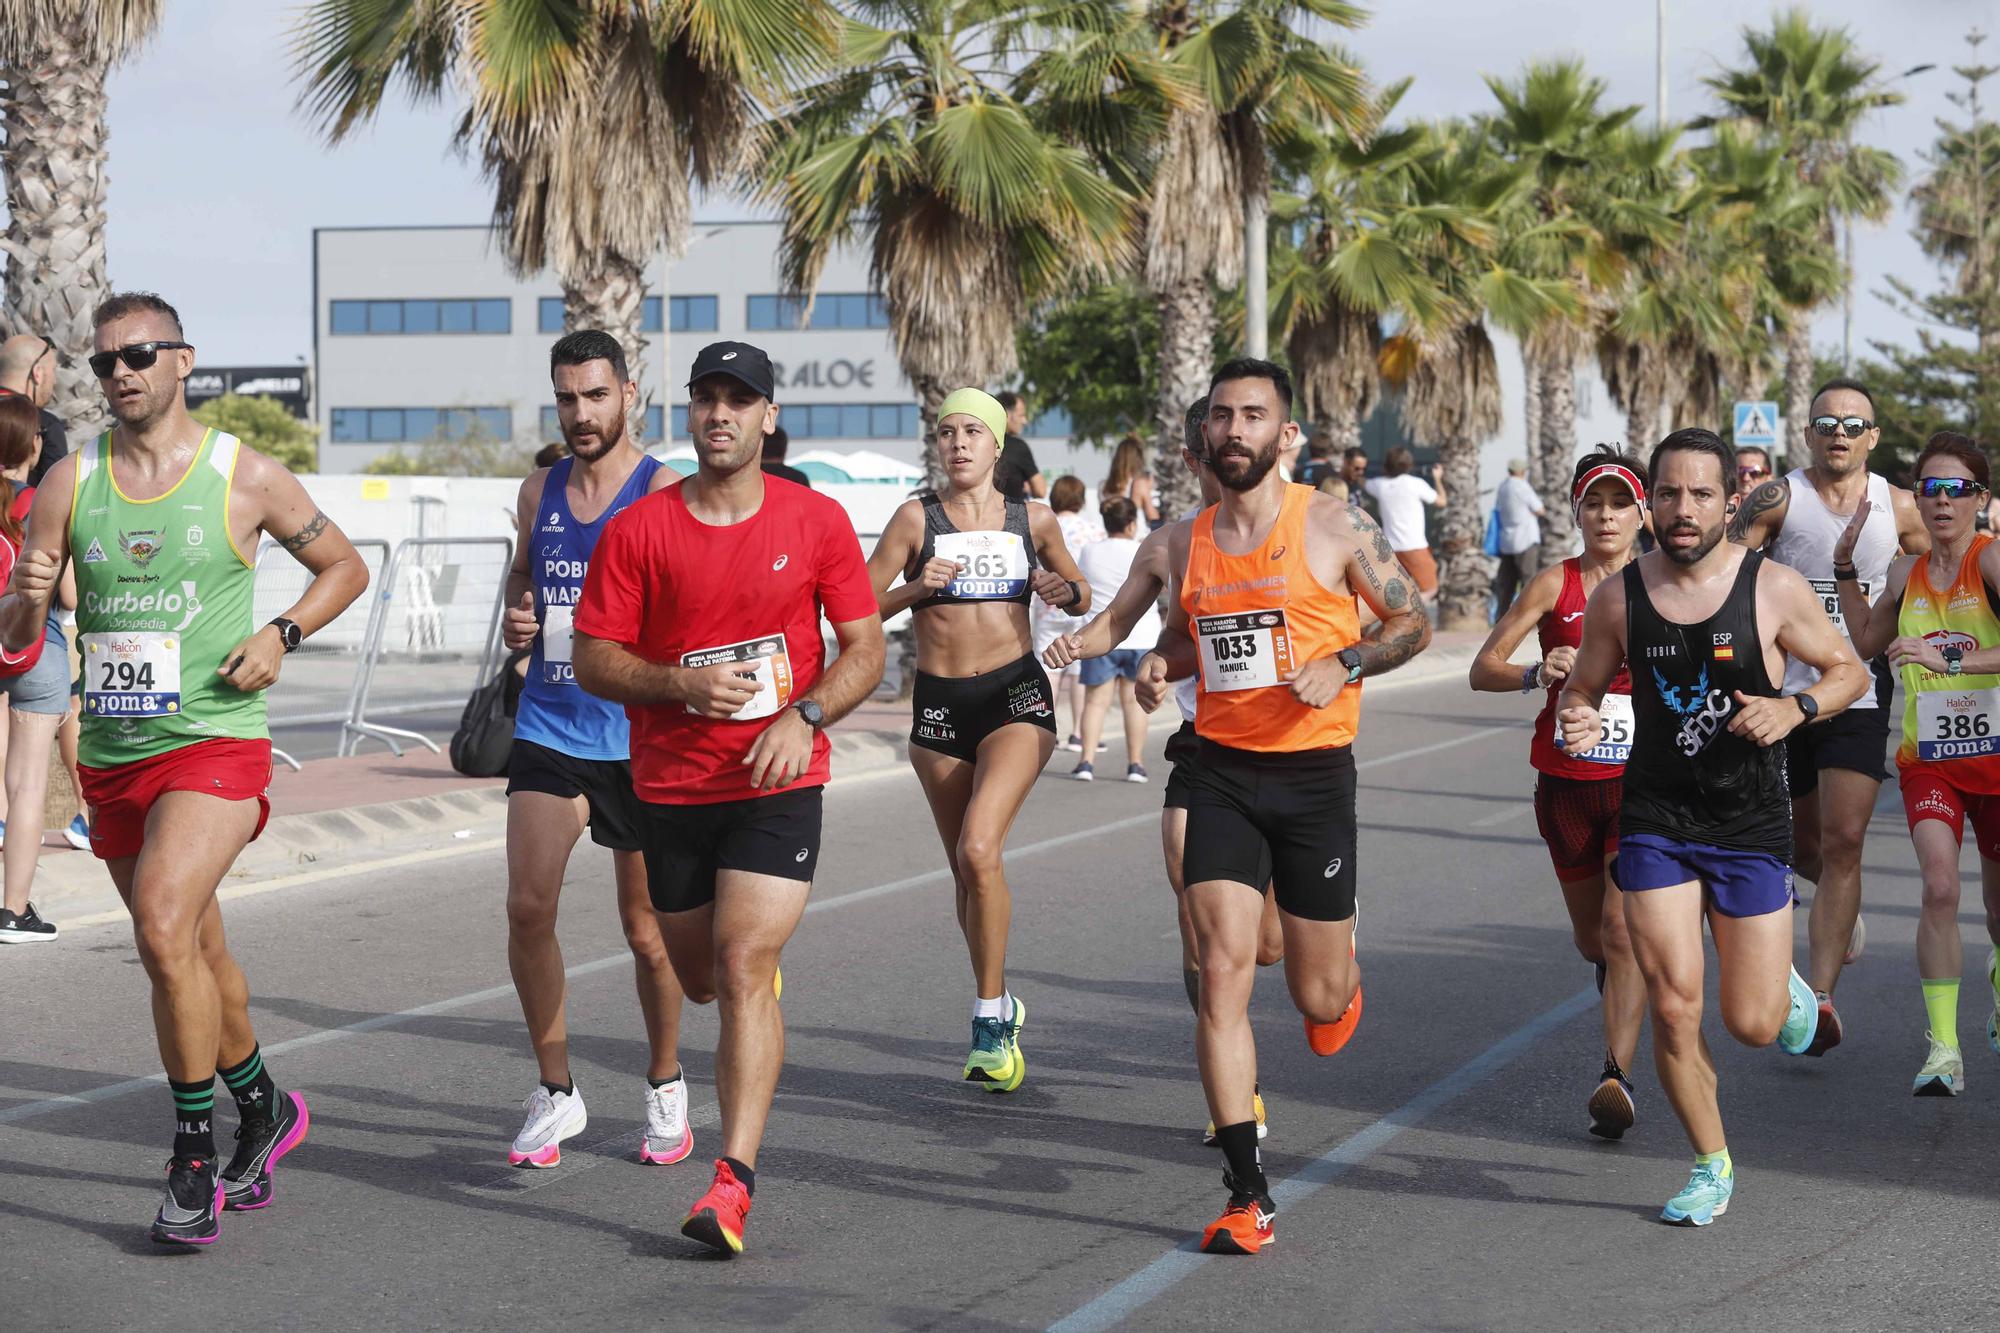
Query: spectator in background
{"x": 1079, "y": 530}
{"x": 1354, "y": 471}
{"x": 549, "y": 455}
{"x": 775, "y": 446}
{"x": 1106, "y": 565}
{"x": 28, "y": 370}
{"x": 1334, "y": 486}
{"x": 1319, "y": 464}
{"x": 1129, "y": 480}
{"x": 1018, "y": 476}
{"x": 1400, "y": 497}
{"x": 1520, "y": 534}
{"x": 1753, "y": 469}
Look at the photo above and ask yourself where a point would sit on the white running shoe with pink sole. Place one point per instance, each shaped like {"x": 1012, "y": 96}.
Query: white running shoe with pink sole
{"x": 552, "y": 1117}
{"x": 668, "y": 1138}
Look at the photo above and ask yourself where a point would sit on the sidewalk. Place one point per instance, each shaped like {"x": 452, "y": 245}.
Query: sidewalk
{"x": 338, "y": 811}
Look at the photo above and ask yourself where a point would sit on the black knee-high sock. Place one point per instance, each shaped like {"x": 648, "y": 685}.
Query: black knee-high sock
{"x": 194, "y": 1118}
{"x": 250, "y": 1084}
{"x": 1239, "y": 1148}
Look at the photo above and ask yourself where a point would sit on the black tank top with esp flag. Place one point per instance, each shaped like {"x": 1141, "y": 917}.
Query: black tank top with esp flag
{"x": 1689, "y": 777}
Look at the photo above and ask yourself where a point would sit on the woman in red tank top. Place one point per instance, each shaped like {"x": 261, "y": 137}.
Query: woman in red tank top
{"x": 1576, "y": 795}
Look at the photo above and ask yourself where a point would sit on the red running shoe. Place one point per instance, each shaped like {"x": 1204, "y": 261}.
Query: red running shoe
{"x": 1326, "y": 1038}
{"x": 717, "y": 1217}
{"x": 1828, "y": 1034}
{"x": 1246, "y": 1226}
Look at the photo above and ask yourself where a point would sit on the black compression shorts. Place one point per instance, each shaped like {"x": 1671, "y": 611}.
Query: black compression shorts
{"x": 605, "y": 783}
{"x": 1182, "y": 750}
{"x": 1283, "y": 818}
{"x": 686, "y": 846}
{"x": 953, "y": 714}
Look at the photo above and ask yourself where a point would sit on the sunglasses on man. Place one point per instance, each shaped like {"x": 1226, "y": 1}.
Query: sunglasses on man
{"x": 1852, "y": 427}
{"x": 136, "y": 356}
{"x": 1752, "y": 473}
{"x": 1952, "y": 488}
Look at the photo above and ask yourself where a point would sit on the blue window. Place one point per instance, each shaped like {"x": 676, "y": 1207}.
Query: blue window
{"x": 488, "y": 315}
{"x": 551, "y": 425}
{"x": 1055, "y": 421}
{"x": 350, "y": 425}
{"x": 656, "y": 423}
{"x": 385, "y": 423}
{"x": 885, "y": 421}
{"x": 549, "y": 315}
{"x": 385, "y": 316}
{"x": 418, "y": 425}
{"x": 839, "y": 421}
{"x": 494, "y": 316}
{"x": 831, "y": 310}
{"x": 693, "y": 314}
{"x": 454, "y": 316}
{"x": 680, "y": 422}
{"x": 349, "y": 317}
{"x": 649, "y": 315}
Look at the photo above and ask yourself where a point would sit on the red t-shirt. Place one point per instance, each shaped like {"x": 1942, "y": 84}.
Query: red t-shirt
{"x": 678, "y": 591}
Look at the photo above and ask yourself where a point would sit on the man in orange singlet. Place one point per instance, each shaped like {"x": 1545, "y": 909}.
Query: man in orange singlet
{"x": 1264, "y": 611}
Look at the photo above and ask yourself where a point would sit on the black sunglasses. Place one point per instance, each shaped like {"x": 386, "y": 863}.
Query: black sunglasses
{"x": 1952, "y": 488}
{"x": 1853, "y": 427}
{"x": 136, "y": 356}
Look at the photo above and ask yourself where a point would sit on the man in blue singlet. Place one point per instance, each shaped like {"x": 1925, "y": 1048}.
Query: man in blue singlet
{"x": 571, "y": 762}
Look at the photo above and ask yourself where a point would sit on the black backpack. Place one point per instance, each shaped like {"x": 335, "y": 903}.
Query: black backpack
{"x": 485, "y": 736}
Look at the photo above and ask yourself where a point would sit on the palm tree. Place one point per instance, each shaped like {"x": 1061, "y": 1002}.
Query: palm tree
{"x": 1808, "y": 89}
{"x": 971, "y": 208}
{"x": 591, "y": 117}
{"x": 1238, "y": 76}
{"x": 54, "y": 57}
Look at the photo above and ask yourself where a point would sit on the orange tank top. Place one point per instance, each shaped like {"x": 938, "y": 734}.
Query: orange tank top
{"x": 1256, "y": 619}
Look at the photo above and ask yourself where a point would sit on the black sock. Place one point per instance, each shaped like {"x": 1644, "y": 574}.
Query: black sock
{"x": 662, "y": 1082}
{"x": 1239, "y": 1148}
{"x": 745, "y": 1176}
{"x": 250, "y": 1084}
{"x": 568, "y": 1088}
{"x": 194, "y": 1118}
{"x": 1192, "y": 980}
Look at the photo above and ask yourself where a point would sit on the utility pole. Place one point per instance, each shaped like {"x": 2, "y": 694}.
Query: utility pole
{"x": 1660, "y": 62}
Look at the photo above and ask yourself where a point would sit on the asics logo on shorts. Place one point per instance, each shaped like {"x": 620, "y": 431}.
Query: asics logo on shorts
{"x": 1332, "y": 868}
{"x": 804, "y": 852}
{"x": 780, "y": 562}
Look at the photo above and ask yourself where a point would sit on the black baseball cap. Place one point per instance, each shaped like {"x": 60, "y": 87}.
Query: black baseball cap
{"x": 741, "y": 362}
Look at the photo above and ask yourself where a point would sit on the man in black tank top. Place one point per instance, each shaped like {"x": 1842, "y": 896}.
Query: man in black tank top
{"x": 1705, "y": 827}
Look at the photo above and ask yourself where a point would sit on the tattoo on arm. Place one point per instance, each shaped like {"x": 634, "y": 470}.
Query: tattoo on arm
{"x": 1755, "y": 505}
{"x": 306, "y": 535}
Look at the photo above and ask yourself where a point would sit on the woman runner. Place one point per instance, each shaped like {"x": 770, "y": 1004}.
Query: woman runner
{"x": 984, "y": 718}
{"x": 1576, "y": 796}
{"x": 1940, "y": 624}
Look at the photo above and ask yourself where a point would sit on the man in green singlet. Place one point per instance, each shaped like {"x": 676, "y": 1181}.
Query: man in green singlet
{"x": 162, "y": 518}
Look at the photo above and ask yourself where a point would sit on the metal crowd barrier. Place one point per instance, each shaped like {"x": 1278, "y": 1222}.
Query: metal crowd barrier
{"x": 435, "y": 616}
{"x": 324, "y": 664}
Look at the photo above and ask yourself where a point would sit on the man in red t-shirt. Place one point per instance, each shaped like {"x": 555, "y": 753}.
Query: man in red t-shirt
{"x": 701, "y": 615}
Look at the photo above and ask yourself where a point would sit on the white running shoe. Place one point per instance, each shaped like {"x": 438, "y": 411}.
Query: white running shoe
{"x": 1943, "y": 1074}
{"x": 668, "y": 1136}
{"x": 552, "y": 1117}
{"x": 1856, "y": 943}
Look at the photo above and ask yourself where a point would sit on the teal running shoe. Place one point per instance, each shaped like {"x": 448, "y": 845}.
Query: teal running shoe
{"x": 1803, "y": 1021}
{"x": 995, "y": 1058}
{"x": 1705, "y": 1198}
{"x": 1993, "y": 1019}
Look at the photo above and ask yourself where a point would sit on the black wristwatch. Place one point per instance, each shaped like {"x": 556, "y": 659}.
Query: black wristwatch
{"x": 814, "y": 715}
{"x": 1954, "y": 659}
{"x": 289, "y": 632}
{"x": 1351, "y": 659}
{"x": 1807, "y": 705}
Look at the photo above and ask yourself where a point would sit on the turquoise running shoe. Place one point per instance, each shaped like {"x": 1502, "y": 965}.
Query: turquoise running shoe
{"x": 1993, "y": 1019}
{"x": 1803, "y": 1021}
{"x": 1705, "y": 1198}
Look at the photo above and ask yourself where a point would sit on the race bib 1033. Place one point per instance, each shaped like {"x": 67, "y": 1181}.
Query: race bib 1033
{"x": 1246, "y": 651}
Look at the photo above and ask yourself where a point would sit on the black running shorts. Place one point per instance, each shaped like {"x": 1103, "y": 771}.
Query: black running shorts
{"x": 605, "y": 783}
{"x": 953, "y": 714}
{"x": 686, "y": 846}
{"x": 1286, "y": 818}
{"x": 1854, "y": 738}
{"x": 1182, "y": 747}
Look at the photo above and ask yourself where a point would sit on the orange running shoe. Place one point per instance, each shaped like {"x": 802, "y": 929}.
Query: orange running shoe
{"x": 717, "y": 1217}
{"x": 1326, "y": 1038}
{"x": 1246, "y": 1226}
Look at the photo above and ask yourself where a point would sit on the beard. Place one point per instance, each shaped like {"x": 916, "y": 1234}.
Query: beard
{"x": 604, "y": 443}
{"x": 1692, "y": 555}
{"x": 1243, "y": 474}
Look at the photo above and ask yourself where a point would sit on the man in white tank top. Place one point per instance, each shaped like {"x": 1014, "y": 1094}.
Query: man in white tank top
{"x": 1835, "y": 766}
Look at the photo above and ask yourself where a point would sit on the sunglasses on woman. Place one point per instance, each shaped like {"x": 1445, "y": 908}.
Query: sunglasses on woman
{"x": 136, "y": 356}
{"x": 1952, "y": 488}
{"x": 1852, "y": 427}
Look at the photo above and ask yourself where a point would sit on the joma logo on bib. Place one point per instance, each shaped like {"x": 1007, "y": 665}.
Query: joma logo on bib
{"x": 157, "y": 606}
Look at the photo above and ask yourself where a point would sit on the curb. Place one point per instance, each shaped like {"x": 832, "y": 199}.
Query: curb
{"x": 292, "y": 843}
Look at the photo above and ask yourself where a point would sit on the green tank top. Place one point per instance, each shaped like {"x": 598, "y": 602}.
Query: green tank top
{"x": 162, "y": 595}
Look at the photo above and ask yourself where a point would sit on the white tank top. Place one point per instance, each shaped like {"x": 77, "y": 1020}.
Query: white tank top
{"x": 1806, "y": 543}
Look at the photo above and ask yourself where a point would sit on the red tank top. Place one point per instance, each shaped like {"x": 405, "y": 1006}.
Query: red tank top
{"x": 1562, "y": 627}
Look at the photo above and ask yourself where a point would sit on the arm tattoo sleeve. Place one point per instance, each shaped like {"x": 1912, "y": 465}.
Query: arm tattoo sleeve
{"x": 1755, "y": 505}
{"x": 306, "y": 535}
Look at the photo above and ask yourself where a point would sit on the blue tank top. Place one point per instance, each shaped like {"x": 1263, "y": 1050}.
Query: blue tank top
{"x": 555, "y": 711}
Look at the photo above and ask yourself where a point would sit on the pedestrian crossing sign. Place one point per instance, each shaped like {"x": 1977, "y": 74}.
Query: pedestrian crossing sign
{"x": 1756, "y": 423}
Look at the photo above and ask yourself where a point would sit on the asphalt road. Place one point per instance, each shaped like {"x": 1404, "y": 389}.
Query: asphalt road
{"x": 1438, "y": 1173}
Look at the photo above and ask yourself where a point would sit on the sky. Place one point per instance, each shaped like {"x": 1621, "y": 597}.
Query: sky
{"x": 217, "y": 179}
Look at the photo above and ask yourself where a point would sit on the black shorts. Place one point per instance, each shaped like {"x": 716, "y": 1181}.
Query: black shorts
{"x": 1182, "y": 748}
{"x": 952, "y": 714}
{"x": 1255, "y": 818}
{"x": 605, "y": 783}
{"x": 1854, "y": 738}
{"x": 686, "y": 846}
